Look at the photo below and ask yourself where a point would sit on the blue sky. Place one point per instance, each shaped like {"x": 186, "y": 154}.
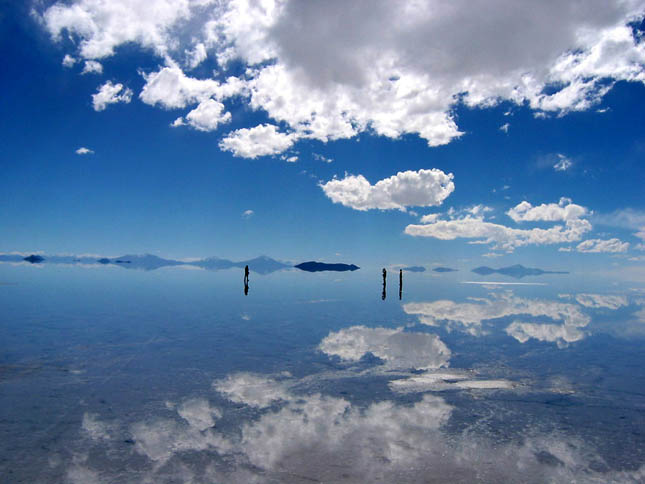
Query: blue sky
{"x": 246, "y": 128}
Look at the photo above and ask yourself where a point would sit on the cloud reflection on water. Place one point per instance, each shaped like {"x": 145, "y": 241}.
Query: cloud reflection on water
{"x": 305, "y": 437}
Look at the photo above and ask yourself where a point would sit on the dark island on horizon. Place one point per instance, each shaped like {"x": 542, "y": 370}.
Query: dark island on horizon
{"x": 517, "y": 271}
{"x": 314, "y": 266}
{"x": 444, "y": 269}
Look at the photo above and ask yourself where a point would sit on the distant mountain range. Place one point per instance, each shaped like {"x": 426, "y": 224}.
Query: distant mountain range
{"x": 149, "y": 262}
{"x": 444, "y": 269}
{"x": 414, "y": 269}
{"x": 259, "y": 265}
{"x": 518, "y": 271}
{"x": 313, "y": 266}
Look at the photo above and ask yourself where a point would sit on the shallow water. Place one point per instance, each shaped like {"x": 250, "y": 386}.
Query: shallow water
{"x": 174, "y": 375}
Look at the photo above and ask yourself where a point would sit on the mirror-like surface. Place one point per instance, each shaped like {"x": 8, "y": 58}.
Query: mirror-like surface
{"x": 177, "y": 375}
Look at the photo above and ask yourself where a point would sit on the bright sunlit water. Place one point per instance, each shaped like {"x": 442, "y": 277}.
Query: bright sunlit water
{"x": 174, "y": 375}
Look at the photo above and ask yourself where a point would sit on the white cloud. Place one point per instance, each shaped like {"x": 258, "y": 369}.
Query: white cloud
{"x": 198, "y": 413}
{"x": 323, "y": 438}
{"x": 423, "y": 188}
{"x": 430, "y": 218}
{"x": 103, "y": 26}
{"x": 207, "y": 116}
{"x": 319, "y": 157}
{"x": 96, "y": 429}
{"x": 170, "y": 88}
{"x": 84, "y": 151}
{"x": 68, "y": 61}
{"x": 491, "y": 255}
{"x": 330, "y": 72}
{"x": 562, "y": 335}
{"x": 504, "y": 127}
{"x": 501, "y": 236}
{"x": 607, "y": 301}
{"x": 473, "y": 225}
{"x": 247, "y": 213}
{"x": 599, "y": 245}
{"x": 478, "y": 210}
{"x": 262, "y": 140}
{"x": 161, "y": 439}
{"x": 563, "y": 163}
{"x": 196, "y": 56}
{"x": 252, "y": 390}
{"x": 564, "y": 210}
{"x": 469, "y": 316}
{"x": 396, "y": 348}
{"x": 92, "y": 67}
{"x": 108, "y": 93}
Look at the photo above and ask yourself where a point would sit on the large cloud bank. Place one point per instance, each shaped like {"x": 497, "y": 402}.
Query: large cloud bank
{"x": 329, "y": 70}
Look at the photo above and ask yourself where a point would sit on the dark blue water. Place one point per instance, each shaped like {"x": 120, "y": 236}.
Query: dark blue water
{"x": 115, "y": 375}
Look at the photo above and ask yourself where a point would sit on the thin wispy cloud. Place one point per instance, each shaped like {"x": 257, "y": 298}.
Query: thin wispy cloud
{"x": 563, "y": 163}
{"x": 84, "y": 151}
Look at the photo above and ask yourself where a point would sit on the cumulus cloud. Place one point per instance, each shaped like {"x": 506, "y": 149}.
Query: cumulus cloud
{"x": 564, "y": 210}
{"x": 247, "y": 213}
{"x": 207, "y": 116}
{"x": 68, "y": 61}
{"x": 473, "y": 226}
{"x": 430, "y": 218}
{"x": 170, "y": 88}
{"x": 110, "y": 93}
{"x": 599, "y": 245}
{"x": 92, "y": 67}
{"x": 395, "y": 347}
{"x": 262, "y": 140}
{"x": 505, "y": 127}
{"x": 328, "y": 72}
{"x": 423, "y": 188}
{"x": 84, "y": 151}
{"x": 103, "y": 26}
{"x": 501, "y": 236}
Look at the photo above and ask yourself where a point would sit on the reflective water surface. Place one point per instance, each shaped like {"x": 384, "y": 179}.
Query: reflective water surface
{"x": 177, "y": 375}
